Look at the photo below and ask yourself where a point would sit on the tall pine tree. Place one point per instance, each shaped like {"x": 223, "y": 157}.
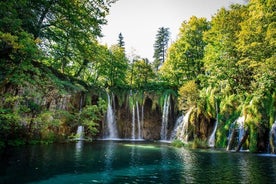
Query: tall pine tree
{"x": 160, "y": 46}
{"x": 121, "y": 42}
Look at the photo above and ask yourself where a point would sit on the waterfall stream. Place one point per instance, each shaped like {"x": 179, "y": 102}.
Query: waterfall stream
{"x": 240, "y": 122}
{"x": 133, "y": 122}
{"x": 176, "y": 126}
{"x": 165, "y": 115}
{"x": 211, "y": 141}
{"x": 137, "y": 123}
{"x": 272, "y": 137}
{"x": 236, "y": 131}
{"x": 182, "y": 129}
{"x": 111, "y": 122}
{"x": 80, "y": 132}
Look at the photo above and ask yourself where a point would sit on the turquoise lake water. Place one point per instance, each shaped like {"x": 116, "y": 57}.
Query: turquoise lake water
{"x": 132, "y": 162}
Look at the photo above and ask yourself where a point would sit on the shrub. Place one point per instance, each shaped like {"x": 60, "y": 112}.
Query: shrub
{"x": 177, "y": 143}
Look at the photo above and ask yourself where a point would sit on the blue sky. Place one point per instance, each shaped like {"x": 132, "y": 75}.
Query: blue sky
{"x": 139, "y": 20}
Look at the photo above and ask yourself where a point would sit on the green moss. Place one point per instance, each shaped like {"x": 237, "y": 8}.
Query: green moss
{"x": 253, "y": 139}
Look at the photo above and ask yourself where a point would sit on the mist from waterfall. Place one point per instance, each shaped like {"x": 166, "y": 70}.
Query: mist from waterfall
{"x": 165, "y": 116}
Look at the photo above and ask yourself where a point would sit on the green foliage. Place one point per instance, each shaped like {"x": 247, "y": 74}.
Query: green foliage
{"x": 221, "y": 53}
{"x": 177, "y": 143}
{"x": 184, "y": 61}
{"x": 90, "y": 115}
{"x": 140, "y": 74}
{"x": 198, "y": 143}
{"x": 110, "y": 69}
{"x": 253, "y": 138}
{"x": 50, "y": 49}
{"x": 188, "y": 95}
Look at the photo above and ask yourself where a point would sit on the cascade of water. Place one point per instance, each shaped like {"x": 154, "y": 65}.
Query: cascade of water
{"x": 240, "y": 122}
{"x": 138, "y": 121}
{"x": 142, "y": 121}
{"x": 233, "y": 133}
{"x": 182, "y": 130}
{"x": 176, "y": 126}
{"x": 211, "y": 141}
{"x": 111, "y": 122}
{"x": 80, "y": 132}
{"x": 133, "y": 122}
{"x": 273, "y": 138}
{"x": 165, "y": 116}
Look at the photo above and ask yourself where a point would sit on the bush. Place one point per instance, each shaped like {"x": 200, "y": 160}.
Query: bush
{"x": 178, "y": 143}
{"x": 198, "y": 143}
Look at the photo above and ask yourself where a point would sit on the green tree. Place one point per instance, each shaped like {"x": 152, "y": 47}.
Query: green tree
{"x": 221, "y": 53}
{"x": 121, "y": 41}
{"x": 257, "y": 44}
{"x": 64, "y": 31}
{"x": 110, "y": 70}
{"x": 160, "y": 46}
{"x": 141, "y": 74}
{"x": 185, "y": 55}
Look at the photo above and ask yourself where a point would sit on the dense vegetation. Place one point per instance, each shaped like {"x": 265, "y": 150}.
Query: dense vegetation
{"x": 49, "y": 50}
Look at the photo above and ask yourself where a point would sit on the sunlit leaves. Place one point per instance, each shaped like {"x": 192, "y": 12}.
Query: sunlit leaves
{"x": 184, "y": 60}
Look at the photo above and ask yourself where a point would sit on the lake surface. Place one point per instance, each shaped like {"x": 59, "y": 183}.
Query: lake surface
{"x": 131, "y": 162}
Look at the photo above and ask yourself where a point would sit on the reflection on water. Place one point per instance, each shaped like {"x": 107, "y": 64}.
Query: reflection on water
{"x": 109, "y": 156}
{"x": 131, "y": 162}
{"x": 79, "y": 145}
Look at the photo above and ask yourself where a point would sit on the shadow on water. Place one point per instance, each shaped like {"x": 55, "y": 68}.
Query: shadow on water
{"x": 132, "y": 162}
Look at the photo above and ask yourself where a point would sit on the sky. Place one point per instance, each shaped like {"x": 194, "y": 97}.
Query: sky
{"x": 139, "y": 20}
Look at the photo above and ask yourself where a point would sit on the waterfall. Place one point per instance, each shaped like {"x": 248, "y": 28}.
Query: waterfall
{"x": 211, "y": 141}
{"x": 138, "y": 121}
{"x": 80, "y": 132}
{"x": 236, "y": 130}
{"x": 136, "y": 116}
{"x": 182, "y": 130}
{"x": 240, "y": 122}
{"x": 176, "y": 126}
{"x": 231, "y": 135}
{"x": 133, "y": 122}
{"x": 142, "y": 121}
{"x": 111, "y": 122}
{"x": 273, "y": 138}
{"x": 165, "y": 116}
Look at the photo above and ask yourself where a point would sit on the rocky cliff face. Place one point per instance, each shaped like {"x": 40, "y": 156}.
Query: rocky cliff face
{"x": 145, "y": 114}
